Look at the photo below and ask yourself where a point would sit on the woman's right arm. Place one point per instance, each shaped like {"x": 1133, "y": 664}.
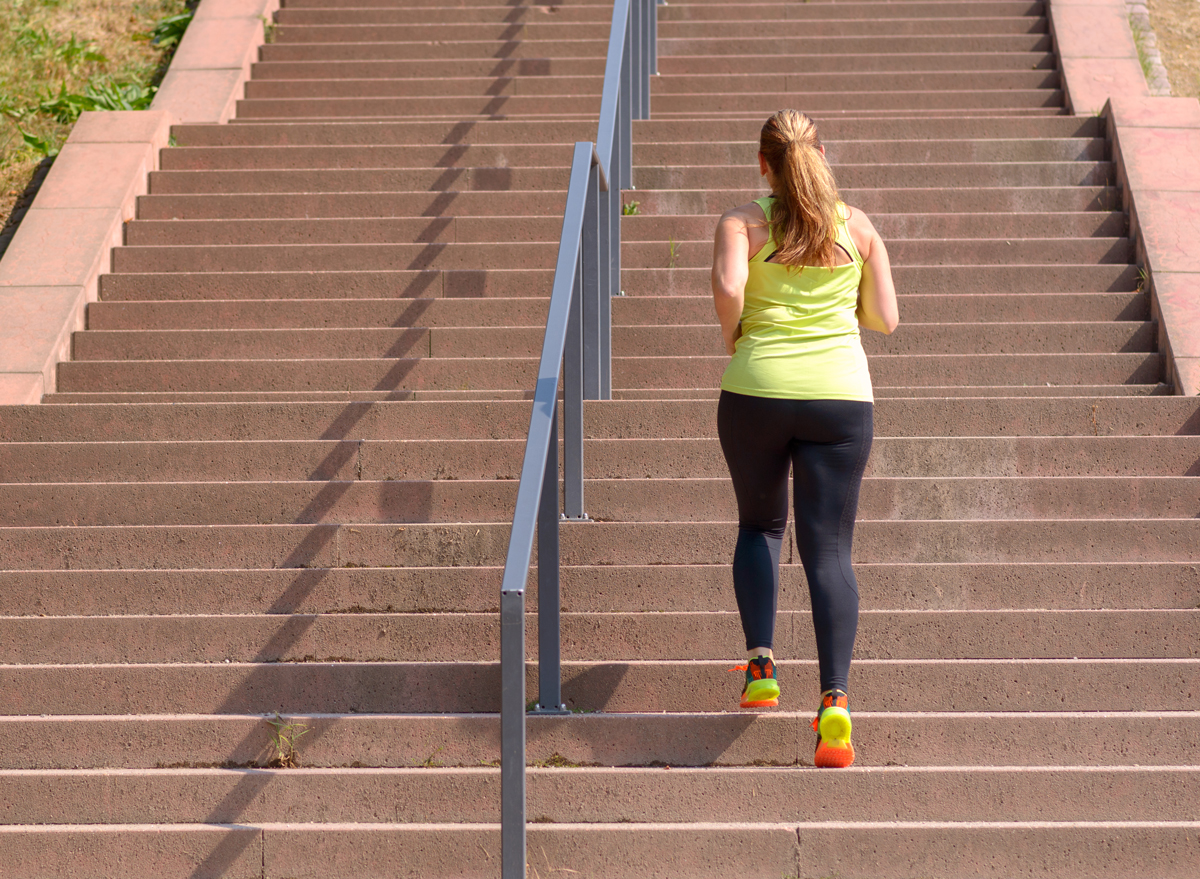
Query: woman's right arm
{"x": 730, "y": 270}
{"x": 877, "y": 309}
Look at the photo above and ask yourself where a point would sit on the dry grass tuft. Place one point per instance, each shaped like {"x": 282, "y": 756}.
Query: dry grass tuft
{"x": 46, "y": 45}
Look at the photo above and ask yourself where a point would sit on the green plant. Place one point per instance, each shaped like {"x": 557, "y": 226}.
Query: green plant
{"x": 672, "y": 252}
{"x": 283, "y": 739}
{"x": 1139, "y": 40}
{"x": 268, "y": 29}
{"x": 40, "y": 145}
{"x": 169, "y": 31}
{"x": 630, "y": 208}
{"x": 65, "y": 107}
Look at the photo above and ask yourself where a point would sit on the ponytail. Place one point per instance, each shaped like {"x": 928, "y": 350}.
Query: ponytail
{"x": 804, "y": 218}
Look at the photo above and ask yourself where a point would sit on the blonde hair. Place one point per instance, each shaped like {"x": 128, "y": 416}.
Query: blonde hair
{"x": 805, "y": 215}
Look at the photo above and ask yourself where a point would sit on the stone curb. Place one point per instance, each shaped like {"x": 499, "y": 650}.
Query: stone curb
{"x": 51, "y": 269}
{"x": 1155, "y": 139}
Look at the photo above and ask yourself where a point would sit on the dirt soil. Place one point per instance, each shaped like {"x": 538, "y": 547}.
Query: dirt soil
{"x": 1176, "y": 23}
{"x": 37, "y": 38}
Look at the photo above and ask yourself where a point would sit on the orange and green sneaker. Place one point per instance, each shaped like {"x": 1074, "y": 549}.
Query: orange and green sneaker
{"x": 832, "y": 725}
{"x": 761, "y": 690}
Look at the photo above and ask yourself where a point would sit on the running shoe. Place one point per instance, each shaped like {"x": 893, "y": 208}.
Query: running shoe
{"x": 832, "y": 725}
{"x": 761, "y": 689}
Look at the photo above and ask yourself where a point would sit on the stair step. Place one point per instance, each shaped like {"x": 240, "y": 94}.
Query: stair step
{"x": 729, "y": 738}
{"x": 1157, "y": 685}
{"x": 909, "y": 848}
{"x": 629, "y": 312}
{"x": 322, "y": 460}
{"x": 627, "y": 500}
{"x": 598, "y": 543}
{"x": 564, "y": 795}
{"x": 409, "y": 371}
{"x": 608, "y": 589}
{"x": 618, "y": 419}
{"x": 1076, "y": 337}
{"x": 594, "y": 637}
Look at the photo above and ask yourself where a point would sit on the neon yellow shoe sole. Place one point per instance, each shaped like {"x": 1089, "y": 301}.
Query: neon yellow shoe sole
{"x": 834, "y": 750}
{"x": 761, "y": 694}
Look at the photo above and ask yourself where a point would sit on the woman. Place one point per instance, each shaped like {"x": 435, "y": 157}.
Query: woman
{"x": 794, "y": 276}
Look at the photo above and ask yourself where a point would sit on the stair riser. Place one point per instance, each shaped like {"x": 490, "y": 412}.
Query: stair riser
{"x": 649, "y": 131}
{"x": 714, "y": 852}
{"x": 628, "y": 311}
{"x": 642, "y": 419}
{"x": 541, "y": 255}
{"x": 514, "y": 283}
{"x": 451, "y": 81}
{"x": 607, "y": 589}
{"x": 646, "y": 795}
{"x": 465, "y": 284}
{"x": 408, "y": 156}
{"x": 433, "y": 373}
{"x": 865, "y": 152}
{"x": 455, "y": 14}
{"x": 526, "y": 341}
{"x": 344, "y": 687}
{"x": 731, "y": 738}
{"x": 810, "y": 83}
{"x": 450, "y": 84}
{"x": 960, "y": 392}
{"x": 715, "y": 177}
{"x": 463, "y": 203}
{"x": 609, "y": 638}
{"x": 622, "y": 500}
{"x": 340, "y": 257}
{"x": 603, "y": 459}
{"x": 915, "y": 200}
{"x": 614, "y": 543}
{"x": 855, "y": 177}
{"x": 639, "y": 228}
{"x": 715, "y": 11}
{"x": 915, "y": 308}
{"x": 651, "y": 154}
{"x": 494, "y": 49}
{"x": 928, "y": 279}
{"x": 571, "y": 103}
{"x": 354, "y": 206}
{"x": 818, "y": 100}
{"x": 351, "y": 181}
{"x": 924, "y": 38}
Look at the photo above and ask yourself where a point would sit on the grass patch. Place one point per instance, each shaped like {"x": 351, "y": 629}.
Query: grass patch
{"x": 60, "y": 57}
{"x": 1139, "y": 40}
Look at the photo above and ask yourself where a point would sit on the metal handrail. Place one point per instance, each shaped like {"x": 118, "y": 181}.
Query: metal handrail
{"x": 578, "y": 347}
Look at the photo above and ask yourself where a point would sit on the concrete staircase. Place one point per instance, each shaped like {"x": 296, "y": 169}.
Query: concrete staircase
{"x": 261, "y": 520}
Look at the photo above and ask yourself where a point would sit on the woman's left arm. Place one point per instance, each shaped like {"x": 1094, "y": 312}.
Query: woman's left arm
{"x": 731, "y": 251}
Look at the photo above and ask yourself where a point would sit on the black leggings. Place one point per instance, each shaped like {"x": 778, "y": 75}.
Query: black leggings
{"x": 825, "y": 443}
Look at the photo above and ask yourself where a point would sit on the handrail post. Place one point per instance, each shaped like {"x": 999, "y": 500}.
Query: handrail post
{"x": 573, "y": 402}
{"x": 654, "y": 4}
{"x": 649, "y": 14}
{"x": 549, "y": 596}
{"x": 608, "y": 218}
{"x": 591, "y": 264}
{"x": 637, "y": 21}
{"x": 625, "y": 134}
{"x": 512, "y": 733}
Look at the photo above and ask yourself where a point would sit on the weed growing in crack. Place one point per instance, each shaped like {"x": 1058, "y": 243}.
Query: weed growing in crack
{"x": 283, "y": 740}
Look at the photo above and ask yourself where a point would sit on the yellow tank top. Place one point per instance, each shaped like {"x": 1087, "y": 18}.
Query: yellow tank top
{"x": 800, "y": 337}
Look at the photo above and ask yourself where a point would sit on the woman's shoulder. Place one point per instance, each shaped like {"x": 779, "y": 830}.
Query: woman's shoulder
{"x": 751, "y": 213}
{"x": 861, "y": 229}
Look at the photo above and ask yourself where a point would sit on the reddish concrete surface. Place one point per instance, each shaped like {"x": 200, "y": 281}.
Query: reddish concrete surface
{"x": 276, "y": 474}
